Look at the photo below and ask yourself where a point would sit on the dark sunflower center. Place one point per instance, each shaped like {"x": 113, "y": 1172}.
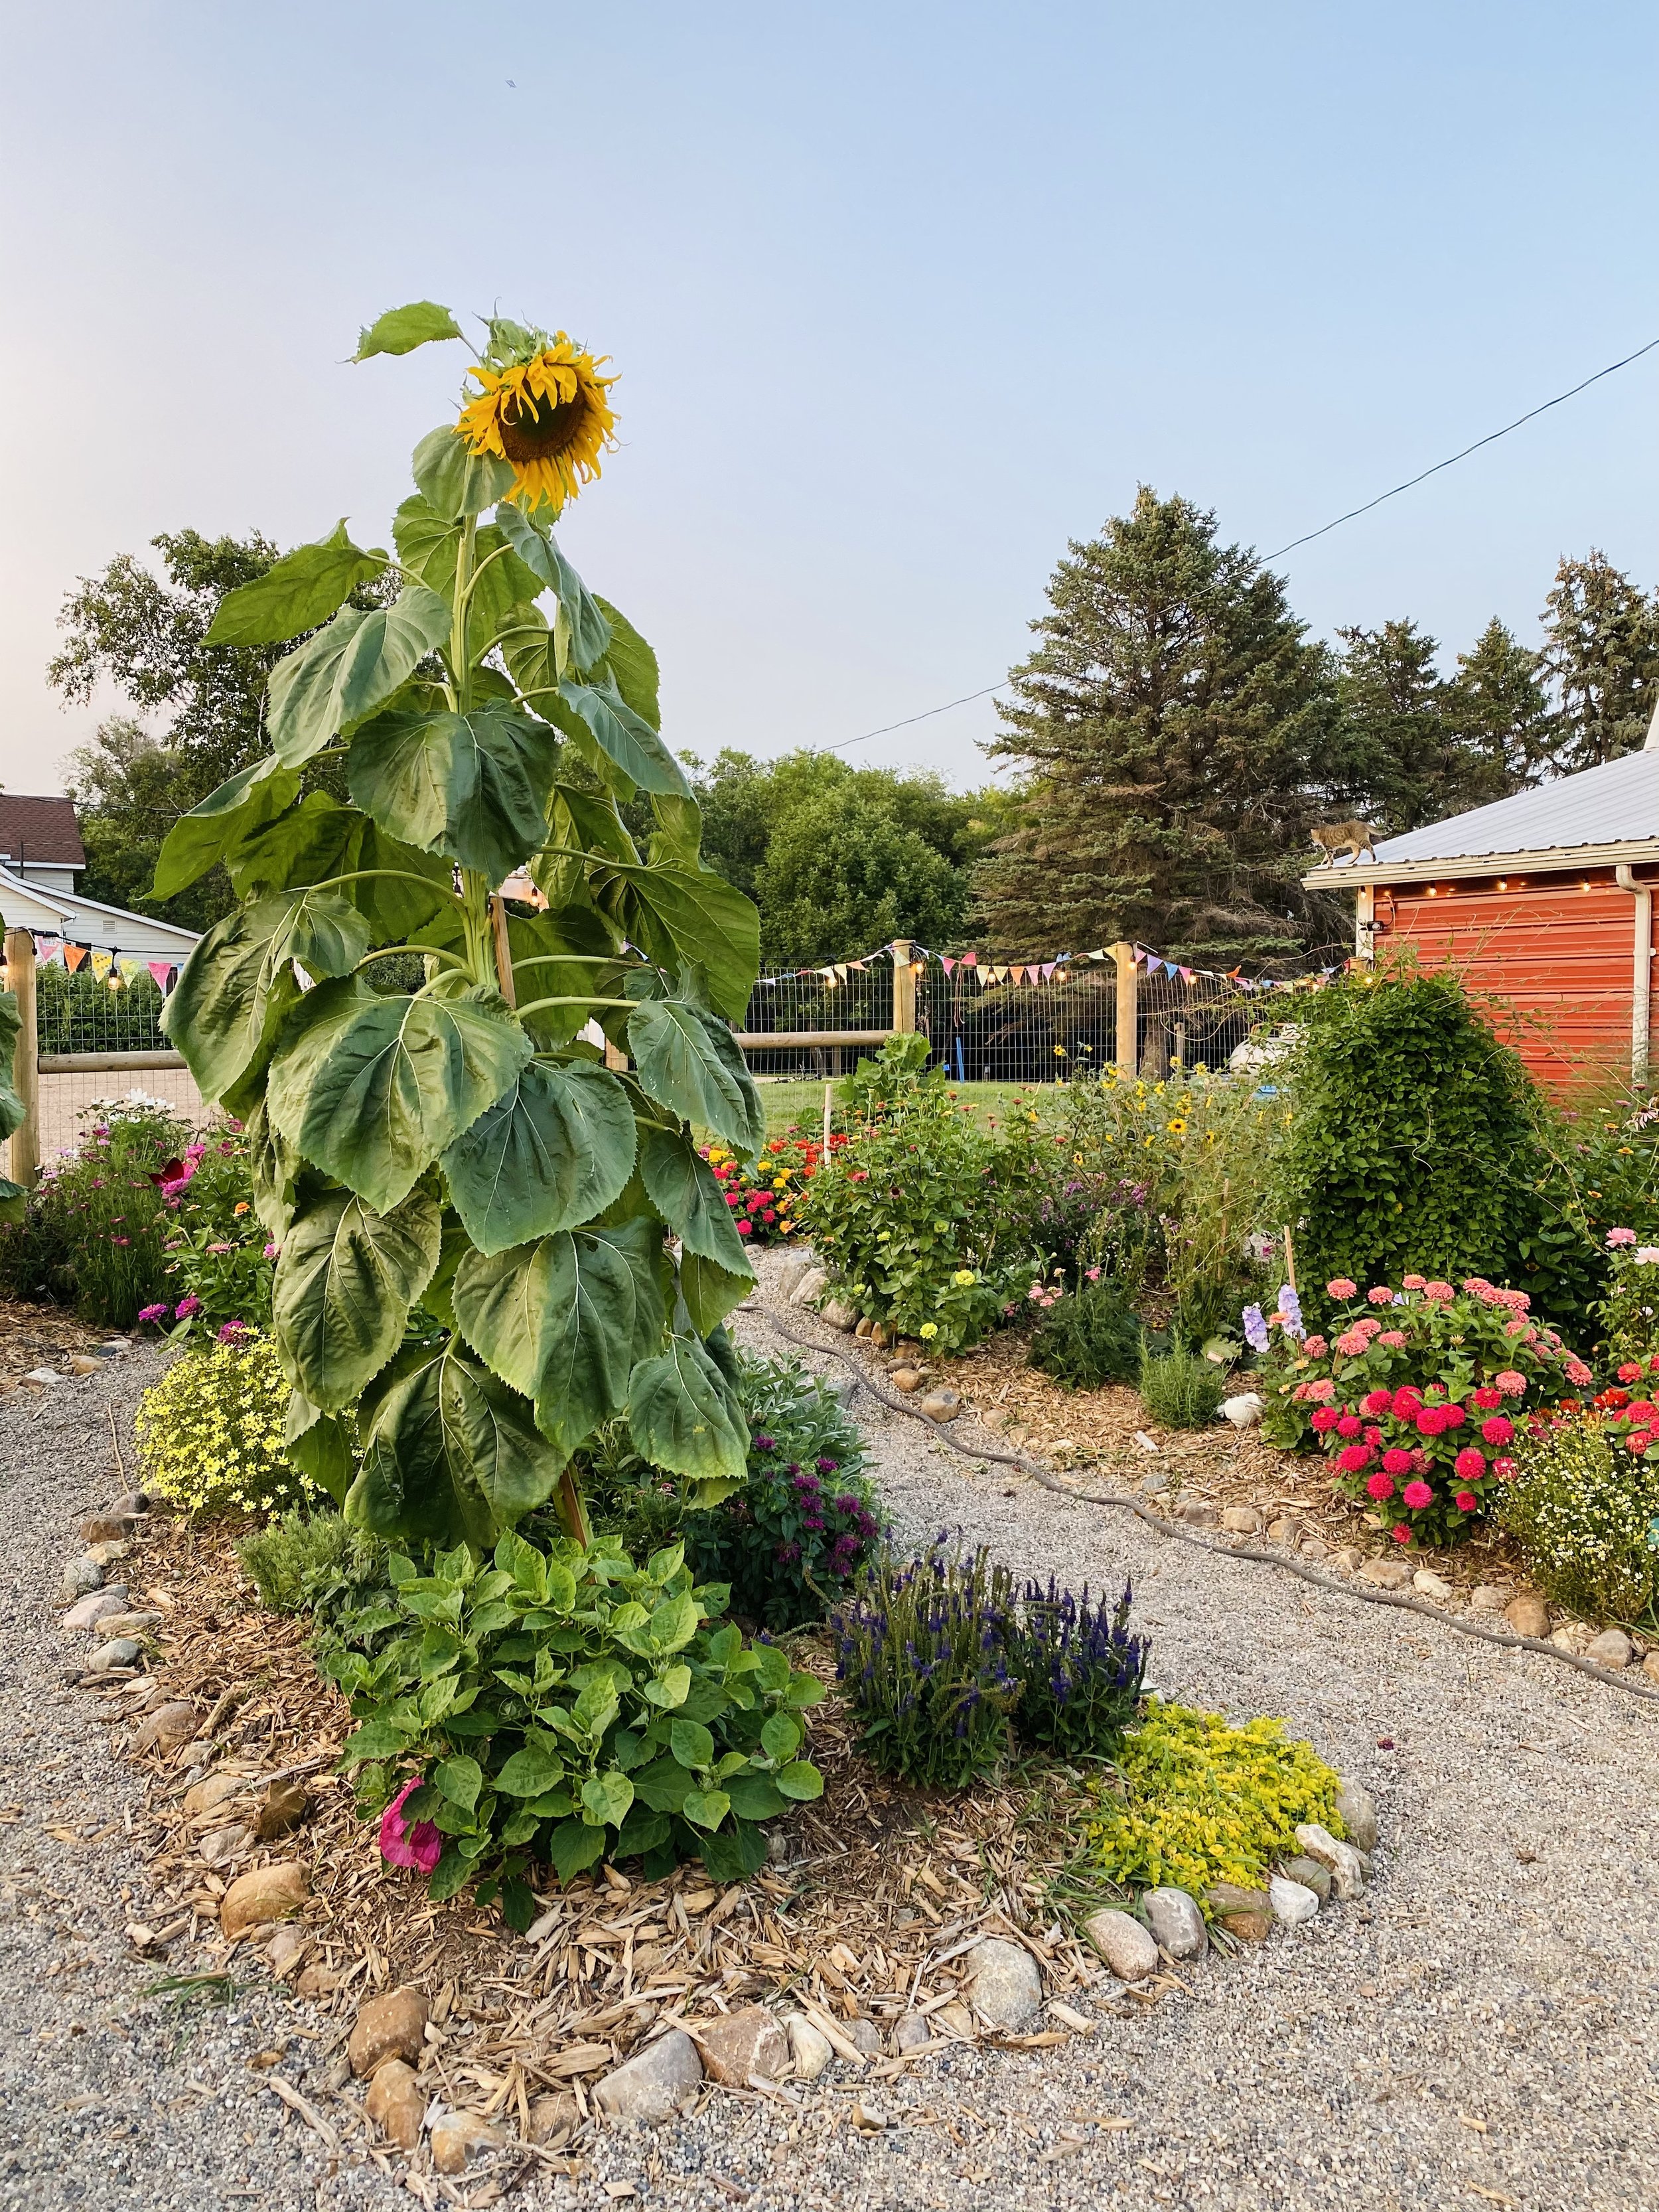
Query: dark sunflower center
{"x": 538, "y": 437}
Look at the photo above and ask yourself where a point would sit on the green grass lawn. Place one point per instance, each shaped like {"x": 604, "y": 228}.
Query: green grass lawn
{"x": 802, "y": 1103}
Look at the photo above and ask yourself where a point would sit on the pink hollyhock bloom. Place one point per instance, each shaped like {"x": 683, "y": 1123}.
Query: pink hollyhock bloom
{"x": 1351, "y": 1344}
{"x": 1621, "y": 1236}
{"x": 1380, "y": 1485}
{"x": 1498, "y": 1429}
{"x": 1646, "y": 1254}
{"x": 1631, "y": 1371}
{"x": 1504, "y": 1468}
{"x": 1379, "y": 1295}
{"x": 1439, "y": 1294}
{"x": 1396, "y": 1460}
{"x": 1414, "y": 1282}
{"x": 1393, "y": 1338}
{"x": 1323, "y": 1388}
{"x": 1315, "y": 1348}
{"x": 1513, "y": 1385}
{"x": 420, "y": 1847}
{"x": 1470, "y": 1464}
{"x": 1466, "y": 1501}
{"x": 1577, "y": 1373}
{"x": 1417, "y": 1495}
{"x": 1403, "y": 1535}
{"x": 1326, "y": 1418}
{"x": 1349, "y": 1425}
{"x": 1341, "y": 1287}
{"x": 1379, "y": 1402}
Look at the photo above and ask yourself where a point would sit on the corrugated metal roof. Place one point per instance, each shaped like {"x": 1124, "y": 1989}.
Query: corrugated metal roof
{"x": 1618, "y": 801}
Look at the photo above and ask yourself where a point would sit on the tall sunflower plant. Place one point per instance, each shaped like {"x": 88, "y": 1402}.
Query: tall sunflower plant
{"x": 491, "y": 1242}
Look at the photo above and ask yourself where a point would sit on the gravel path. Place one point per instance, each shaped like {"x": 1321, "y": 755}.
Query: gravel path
{"x": 1478, "y": 2032}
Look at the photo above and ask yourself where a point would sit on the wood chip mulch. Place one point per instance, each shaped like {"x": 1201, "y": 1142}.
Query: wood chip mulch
{"x": 40, "y": 1336}
{"x": 882, "y": 1890}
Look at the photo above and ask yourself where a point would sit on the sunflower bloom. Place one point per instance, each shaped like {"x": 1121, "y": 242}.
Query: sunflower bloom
{"x": 549, "y": 417}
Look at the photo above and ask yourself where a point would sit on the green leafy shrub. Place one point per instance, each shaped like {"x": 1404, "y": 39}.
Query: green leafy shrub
{"x": 298, "y": 1559}
{"x": 1417, "y": 1395}
{"x": 96, "y": 1226}
{"x": 1415, "y": 1143}
{"x": 210, "y": 1432}
{"x": 1195, "y": 1802}
{"x": 219, "y": 1258}
{"x": 938, "y": 1660}
{"x": 1630, "y": 1312}
{"x": 801, "y": 1527}
{"x": 1180, "y": 1389}
{"x": 1584, "y": 1509}
{"x": 564, "y": 1705}
{"x": 1089, "y": 1339}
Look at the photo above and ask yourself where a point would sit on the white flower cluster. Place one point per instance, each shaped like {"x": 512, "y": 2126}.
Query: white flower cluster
{"x": 1585, "y": 1513}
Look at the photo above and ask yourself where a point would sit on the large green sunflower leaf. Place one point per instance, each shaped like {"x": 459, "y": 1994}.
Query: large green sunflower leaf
{"x": 535, "y": 545}
{"x": 687, "y": 1193}
{"x": 400, "y": 329}
{"x": 684, "y": 1416}
{"x": 319, "y": 1445}
{"x": 710, "y": 1291}
{"x": 689, "y": 919}
{"x": 632, "y": 663}
{"x": 226, "y": 817}
{"x": 553, "y": 1150}
{"x": 566, "y": 1319}
{"x": 12, "y": 1112}
{"x": 688, "y": 1060}
{"x": 472, "y": 787}
{"x": 456, "y": 482}
{"x": 372, "y": 1089}
{"x": 624, "y": 737}
{"x": 430, "y": 545}
{"x": 451, "y": 1455}
{"x": 297, "y": 593}
{"x": 239, "y": 982}
{"x": 340, "y": 675}
{"x": 396, "y": 889}
{"x": 274, "y": 1167}
{"x": 344, "y": 1283}
{"x": 678, "y": 833}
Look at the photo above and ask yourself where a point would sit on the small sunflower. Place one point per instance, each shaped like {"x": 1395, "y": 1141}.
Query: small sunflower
{"x": 548, "y": 417}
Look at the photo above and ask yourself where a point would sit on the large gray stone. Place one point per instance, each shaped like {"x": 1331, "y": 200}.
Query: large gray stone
{"x": 1293, "y": 1901}
{"x": 1347, "y": 1873}
{"x": 81, "y": 1576}
{"x": 1612, "y": 1648}
{"x": 792, "y": 1272}
{"x": 808, "y": 1286}
{"x": 119, "y": 1651}
{"x": 839, "y": 1314}
{"x": 1357, "y": 1810}
{"x": 1128, "y": 1949}
{"x": 88, "y": 1611}
{"x": 655, "y": 2081}
{"x": 1389, "y": 1574}
{"x": 1175, "y": 1920}
{"x": 1313, "y": 1874}
{"x": 1004, "y": 1985}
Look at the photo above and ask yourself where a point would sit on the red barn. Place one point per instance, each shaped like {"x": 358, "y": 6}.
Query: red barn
{"x": 1543, "y": 903}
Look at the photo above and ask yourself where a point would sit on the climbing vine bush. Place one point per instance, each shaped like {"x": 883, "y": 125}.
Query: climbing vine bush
{"x": 490, "y": 1242}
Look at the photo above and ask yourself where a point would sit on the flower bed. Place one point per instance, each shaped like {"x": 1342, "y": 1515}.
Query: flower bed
{"x": 763, "y": 1201}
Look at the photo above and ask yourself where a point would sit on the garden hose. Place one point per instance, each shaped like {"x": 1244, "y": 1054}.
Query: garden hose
{"x": 1271, "y": 1558}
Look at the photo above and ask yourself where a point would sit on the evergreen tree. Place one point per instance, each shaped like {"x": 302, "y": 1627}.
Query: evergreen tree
{"x": 1601, "y": 651}
{"x": 1166, "y": 723}
{"x": 1500, "y": 708}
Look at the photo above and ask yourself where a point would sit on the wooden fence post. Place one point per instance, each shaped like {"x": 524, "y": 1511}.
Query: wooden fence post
{"x": 25, "y": 1155}
{"x": 1127, "y": 1054}
{"x": 904, "y": 988}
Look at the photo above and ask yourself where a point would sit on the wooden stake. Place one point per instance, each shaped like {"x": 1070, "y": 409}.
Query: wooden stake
{"x": 503, "y": 949}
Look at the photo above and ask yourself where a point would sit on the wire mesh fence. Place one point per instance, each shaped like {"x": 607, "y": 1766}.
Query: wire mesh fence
{"x": 70, "y": 1104}
{"x": 824, "y": 1020}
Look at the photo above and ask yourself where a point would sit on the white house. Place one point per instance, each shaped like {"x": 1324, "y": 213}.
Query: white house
{"x": 41, "y": 860}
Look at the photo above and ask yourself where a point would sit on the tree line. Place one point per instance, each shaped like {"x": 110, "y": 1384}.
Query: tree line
{"x": 1174, "y": 736}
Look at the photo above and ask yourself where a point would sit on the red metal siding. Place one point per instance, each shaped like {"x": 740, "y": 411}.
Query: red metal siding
{"x": 1553, "y": 957}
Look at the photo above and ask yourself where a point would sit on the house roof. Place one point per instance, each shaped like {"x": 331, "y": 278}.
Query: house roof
{"x": 41, "y": 830}
{"x": 1599, "y": 815}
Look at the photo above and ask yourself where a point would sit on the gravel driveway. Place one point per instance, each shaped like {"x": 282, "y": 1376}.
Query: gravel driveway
{"x": 1484, "y": 2030}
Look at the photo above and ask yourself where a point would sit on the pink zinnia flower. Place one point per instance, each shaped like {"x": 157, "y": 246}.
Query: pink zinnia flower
{"x": 1397, "y": 1461}
{"x": 1380, "y": 1295}
{"x": 1439, "y": 1294}
{"x": 1498, "y": 1429}
{"x": 1577, "y": 1373}
{"x": 1349, "y": 1425}
{"x": 271, "y": 1251}
{"x": 1430, "y": 1420}
{"x": 1380, "y": 1485}
{"x": 1353, "y": 1459}
{"x": 1379, "y": 1402}
{"x": 1393, "y": 1338}
{"x": 152, "y": 1313}
{"x": 1341, "y": 1287}
{"x": 1486, "y": 1398}
{"x": 1466, "y": 1501}
{"x": 1414, "y": 1282}
{"x": 186, "y": 1307}
{"x": 1629, "y": 1372}
{"x": 1516, "y": 1327}
{"x": 1323, "y": 1388}
{"x": 1368, "y": 1327}
{"x": 1351, "y": 1344}
{"x": 420, "y": 1847}
{"x": 744, "y": 1228}
{"x": 1407, "y": 1402}
{"x": 1470, "y": 1464}
{"x": 1417, "y": 1495}
{"x": 1403, "y": 1535}
{"x": 1513, "y": 1385}
{"x": 1315, "y": 1348}
{"x": 1327, "y": 1417}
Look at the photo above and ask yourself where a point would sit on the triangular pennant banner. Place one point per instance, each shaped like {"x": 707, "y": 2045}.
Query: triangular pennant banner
{"x": 161, "y": 971}
{"x": 129, "y": 967}
{"x": 946, "y": 963}
{"x": 73, "y": 957}
{"x": 101, "y": 964}
{"x": 1186, "y": 974}
{"x": 48, "y": 948}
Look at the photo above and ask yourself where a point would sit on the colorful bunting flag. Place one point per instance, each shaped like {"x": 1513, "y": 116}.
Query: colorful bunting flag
{"x": 73, "y": 957}
{"x": 163, "y": 972}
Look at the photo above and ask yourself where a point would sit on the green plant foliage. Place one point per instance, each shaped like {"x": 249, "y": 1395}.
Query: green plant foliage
{"x": 565, "y": 1705}
{"x": 1180, "y": 1389}
{"x": 211, "y": 1431}
{"x": 94, "y": 1229}
{"x": 1194, "y": 1802}
{"x": 1584, "y": 1509}
{"x": 1630, "y": 1312}
{"x": 1090, "y": 1339}
{"x": 1415, "y": 1143}
{"x": 218, "y": 1269}
{"x": 477, "y": 1222}
{"x": 299, "y": 1561}
{"x": 786, "y": 1543}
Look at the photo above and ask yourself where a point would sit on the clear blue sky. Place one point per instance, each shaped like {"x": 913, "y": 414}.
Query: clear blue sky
{"x": 903, "y": 297}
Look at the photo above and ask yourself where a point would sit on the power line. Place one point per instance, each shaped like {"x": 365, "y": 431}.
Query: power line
{"x": 1491, "y": 438}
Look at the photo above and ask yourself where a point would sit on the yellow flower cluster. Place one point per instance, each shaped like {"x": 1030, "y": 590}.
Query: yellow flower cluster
{"x": 1202, "y": 1801}
{"x": 210, "y": 1432}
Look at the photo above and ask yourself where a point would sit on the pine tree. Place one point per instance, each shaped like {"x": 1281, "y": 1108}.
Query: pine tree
{"x": 1166, "y": 723}
{"x": 1499, "y": 707}
{"x": 1601, "y": 650}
